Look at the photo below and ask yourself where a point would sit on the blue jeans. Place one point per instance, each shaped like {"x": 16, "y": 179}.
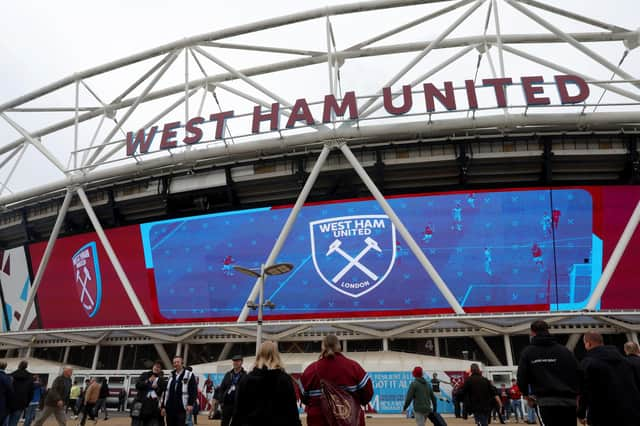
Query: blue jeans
{"x": 13, "y": 418}
{"x": 481, "y": 419}
{"x": 516, "y": 407}
{"x": 531, "y": 415}
{"x": 30, "y": 414}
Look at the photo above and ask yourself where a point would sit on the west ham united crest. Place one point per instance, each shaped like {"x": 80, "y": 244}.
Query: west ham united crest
{"x": 87, "y": 278}
{"x": 353, "y": 254}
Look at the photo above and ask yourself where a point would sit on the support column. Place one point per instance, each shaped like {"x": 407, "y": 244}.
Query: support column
{"x": 163, "y": 355}
{"x": 344, "y": 346}
{"x": 185, "y": 357}
{"x": 402, "y": 230}
{"x": 133, "y": 298}
{"x": 96, "y": 355}
{"x": 65, "y": 358}
{"x": 27, "y": 352}
{"x": 284, "y": 233}
{"x": 573, "y": 341}
{"x": 612, "y": 264}
{"x": 385, "y": 344}
{"x": 178, "y": 349}
{"x": 508, "y": 350}
{"x": 436, "y": 346}
{"x": 120, "y": 358}
{"x": 45, "y": 258}
{"x": 225, "y": 351}
{"x": 634, "y": 337}
{"x": 486, "y": 350}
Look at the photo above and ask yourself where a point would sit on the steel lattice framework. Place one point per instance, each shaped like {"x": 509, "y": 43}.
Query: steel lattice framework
{"x": 237, "y": 68}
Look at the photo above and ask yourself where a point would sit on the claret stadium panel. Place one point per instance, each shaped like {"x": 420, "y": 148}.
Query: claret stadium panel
{"x": 437, "y": 173}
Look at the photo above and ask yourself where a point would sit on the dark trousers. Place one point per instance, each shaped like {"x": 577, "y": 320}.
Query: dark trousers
{"x": 227, "y": 413}
{"x": 176, "y": 417}
{"x": 557, "y": 416}
{"x": 457, "y": 407}
{"x": 88, "y": 410}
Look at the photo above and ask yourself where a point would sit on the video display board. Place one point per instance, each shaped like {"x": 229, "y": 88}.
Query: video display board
{"x": 491, "y": 249}
{"x": 509, "y": 250}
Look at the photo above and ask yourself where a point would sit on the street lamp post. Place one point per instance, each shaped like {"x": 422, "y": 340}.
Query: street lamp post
{"x": 275, "y": 269}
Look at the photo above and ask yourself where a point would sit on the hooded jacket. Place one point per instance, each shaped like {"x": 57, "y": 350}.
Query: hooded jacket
{"x": 420, "y": 392}
{"x": 609, "y": 389}
{"x": 266, "y": 398}
{"x": 479, "y": 394}
{"x": 22, "y": 388}
{"x": 551, "y": 370}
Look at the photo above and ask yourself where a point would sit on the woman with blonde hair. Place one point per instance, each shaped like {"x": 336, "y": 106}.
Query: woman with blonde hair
{"x": 335, "y": 371}
{"x": 265, "y": 396}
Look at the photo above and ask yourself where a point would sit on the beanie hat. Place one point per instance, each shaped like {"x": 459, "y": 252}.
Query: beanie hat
{"x": 417, "y": 372}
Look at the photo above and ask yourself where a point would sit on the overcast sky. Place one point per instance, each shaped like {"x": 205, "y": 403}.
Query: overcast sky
{"x": 44, "y": 41}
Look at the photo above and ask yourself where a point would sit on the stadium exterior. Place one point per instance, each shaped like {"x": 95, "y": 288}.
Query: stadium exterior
{"x": 390, "y": 144}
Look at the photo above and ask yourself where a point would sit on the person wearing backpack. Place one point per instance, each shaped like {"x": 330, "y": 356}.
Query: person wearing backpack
{"x": 335, "y": 377}
{"x": 422, "y": 396}
{"x": 266, "y": 396}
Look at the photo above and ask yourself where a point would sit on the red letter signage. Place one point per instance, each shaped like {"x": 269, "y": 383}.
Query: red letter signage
{"x": 565, "y": 97}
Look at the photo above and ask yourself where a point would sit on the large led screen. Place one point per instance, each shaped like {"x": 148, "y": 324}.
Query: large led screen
{"x": 492, "y": 249}
{"x": 509, "y": 250}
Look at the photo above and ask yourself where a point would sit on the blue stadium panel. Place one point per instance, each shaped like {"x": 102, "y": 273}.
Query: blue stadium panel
{"x": 494, "y": 250}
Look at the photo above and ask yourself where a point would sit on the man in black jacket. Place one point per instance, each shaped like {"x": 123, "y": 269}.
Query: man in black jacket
{"x": 548, "y": 374}
{"x": 23, "y": 392}
{"x": 609, "y": 389}
{"x": 181, "y": 394}
{"x": 151, "y": 386}
{"x": 226, "y": 393}
{"x": 481, "y": 396}
{"x": 6, "y": 392}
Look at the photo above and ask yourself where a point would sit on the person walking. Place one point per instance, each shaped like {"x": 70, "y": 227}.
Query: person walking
{"x": 515, "y": 397}
{"x": 548, "y": 376}
{"x": 338, "y": 370}
{"x": 55, "y": 398}
{"x": 150, "y": 387}
{"x": 609, "y": 389}
{"x": 481, "y": 396}
{"x": 266, "y": 396}
{"x": 6, "y": 393}
{"x": 30, "y": 412}
{"x": 181, "y": 394}
{"x": 422, "y": 397}
{"x": 225, "y": 394}
{"x": 23, "y": 392}
{"x": 102, "y": 400}
{"x": 74, "y": 396}
{"x": 91, "y": 398}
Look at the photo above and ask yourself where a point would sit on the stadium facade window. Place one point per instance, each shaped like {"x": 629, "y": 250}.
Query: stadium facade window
{"x": 82, "y": 356}
{"x": 200, "y": 354}
{"x": 299, "y": 347}
{"x": 108, "y": 358}
{"x": 49, "y": 354}
{"x": 139, "y": 357}
{"x": 372, "y": 345}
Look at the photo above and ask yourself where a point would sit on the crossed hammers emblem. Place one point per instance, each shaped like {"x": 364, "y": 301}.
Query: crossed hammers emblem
{"x": 354, "y": 261}
{"x": 83, "y": 282}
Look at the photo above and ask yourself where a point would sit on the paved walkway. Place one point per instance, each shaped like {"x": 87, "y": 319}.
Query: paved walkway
{"x": 121, "y": 420}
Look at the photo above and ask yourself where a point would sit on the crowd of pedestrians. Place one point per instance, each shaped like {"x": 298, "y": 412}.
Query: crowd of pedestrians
{"x": 602, "y": 390}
